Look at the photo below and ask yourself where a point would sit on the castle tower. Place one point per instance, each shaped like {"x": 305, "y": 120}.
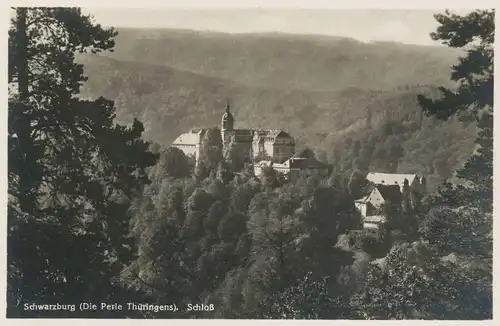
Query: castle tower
{"x": 227, "y": 124}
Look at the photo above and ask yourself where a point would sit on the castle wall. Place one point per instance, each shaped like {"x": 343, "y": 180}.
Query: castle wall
{"x": 362, "y": 208}
{"x": 269, "y": 148}
{"x": 257, "y": 148}
{"x": 197, "y": 153}
{"x": 189, "y": 150}
{"x": 276, "y": 144}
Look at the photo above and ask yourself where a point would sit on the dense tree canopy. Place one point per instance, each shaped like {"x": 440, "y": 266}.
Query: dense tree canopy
{"x": 72, "y": 171}
{"x": 94, "y": 215}
{"x": 473, "y": 99}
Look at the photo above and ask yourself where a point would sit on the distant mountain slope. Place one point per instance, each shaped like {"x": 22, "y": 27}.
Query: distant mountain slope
{"x": 308, "y": 62}
{"x": 170, "y": 100}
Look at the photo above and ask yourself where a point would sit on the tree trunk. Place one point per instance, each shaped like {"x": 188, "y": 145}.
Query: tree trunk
{"x": 23, "y": 128}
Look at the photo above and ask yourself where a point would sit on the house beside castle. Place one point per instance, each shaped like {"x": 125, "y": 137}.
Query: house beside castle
{"x": 305, "y": 161}
{"x": 392, "y": 188}
{"x": 275, "y": 144}
{"x": 386, "y": 179}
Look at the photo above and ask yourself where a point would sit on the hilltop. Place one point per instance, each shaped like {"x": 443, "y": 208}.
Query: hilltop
{"x": 288, "y": 61}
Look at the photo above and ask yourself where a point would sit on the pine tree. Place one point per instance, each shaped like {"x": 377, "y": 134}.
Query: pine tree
{"x": 72, "y": 171}
{"x": 395, "y": 290}
{"x": 223, "y": 174}
{"x": 368, "y": 121}
{"x": 463, "y": 223}
{"x": 355, "y": 185}
{"x": 157, "y": 225}
{"x": 473, "y": 99}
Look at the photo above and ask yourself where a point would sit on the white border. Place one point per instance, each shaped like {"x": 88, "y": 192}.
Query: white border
{"x": 206, "y": 4}
{"x": 310, "y": 4}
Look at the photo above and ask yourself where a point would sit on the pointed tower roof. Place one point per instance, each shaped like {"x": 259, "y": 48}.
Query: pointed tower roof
{"x": 227, "y": 118}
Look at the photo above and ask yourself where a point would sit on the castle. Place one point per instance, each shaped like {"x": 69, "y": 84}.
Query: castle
{"x": 253, "y": 144}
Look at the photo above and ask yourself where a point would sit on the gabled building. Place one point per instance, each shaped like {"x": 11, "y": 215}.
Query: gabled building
{"x": 292, "y": 168}
{"x": 380, "y": 195}
{"x": 396, "y": 189}
{"x": 190, "y": 142}
{"x": 275, "y": 144}
{"x": 364, "y": 206}
{"x": 386, "y": 179}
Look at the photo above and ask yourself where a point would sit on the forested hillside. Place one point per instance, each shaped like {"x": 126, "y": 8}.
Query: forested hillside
{"x": 98, "y": 214}
{"x": 287, "y": 61}
{"x": 162, "y": 78}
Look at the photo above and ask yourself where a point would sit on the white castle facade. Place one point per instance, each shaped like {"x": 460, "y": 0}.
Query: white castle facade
{"x": 273, "y": 144}
{"x": 272, "y": 148}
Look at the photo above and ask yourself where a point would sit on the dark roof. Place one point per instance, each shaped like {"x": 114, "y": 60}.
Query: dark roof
{"x": 243, "y": 135}
{"x": 390, "y": 193}
{"x": 306, "y": 152}
{"x": 370, "y": 208}
{"x": 306, "y": 163}
{"x": 247, "y": 132}
{"x": 306, "y": 158}
{"x": 280, "y": 133}
{"x": 272, "y": 133}
{"x": 362, "y": 200}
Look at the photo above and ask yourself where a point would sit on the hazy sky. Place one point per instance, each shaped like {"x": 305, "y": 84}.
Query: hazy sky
{"x": 407, "y": 26}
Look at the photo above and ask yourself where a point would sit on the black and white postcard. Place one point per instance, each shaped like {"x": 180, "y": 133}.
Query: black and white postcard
{"x": 250, "y": 162}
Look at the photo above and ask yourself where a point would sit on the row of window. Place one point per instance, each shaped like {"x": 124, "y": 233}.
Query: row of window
{"x": 284, "y": 141}
{"x": 190, "y": 147}
{"x": 277, "y": 141}
{"x": 283, "y": 150}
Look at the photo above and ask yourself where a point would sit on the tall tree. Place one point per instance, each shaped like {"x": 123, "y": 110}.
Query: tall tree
{"x": 172, "y": 163}
{"x": 235, "y": 156}
{"x": 158, "y": 270}
{"x": 211, "y": 154}
{"x": 413, "y": 282}
{"x": 472, "y": 100}
{"x": 464, "y": 222}
{"x": 71, "y": 171}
